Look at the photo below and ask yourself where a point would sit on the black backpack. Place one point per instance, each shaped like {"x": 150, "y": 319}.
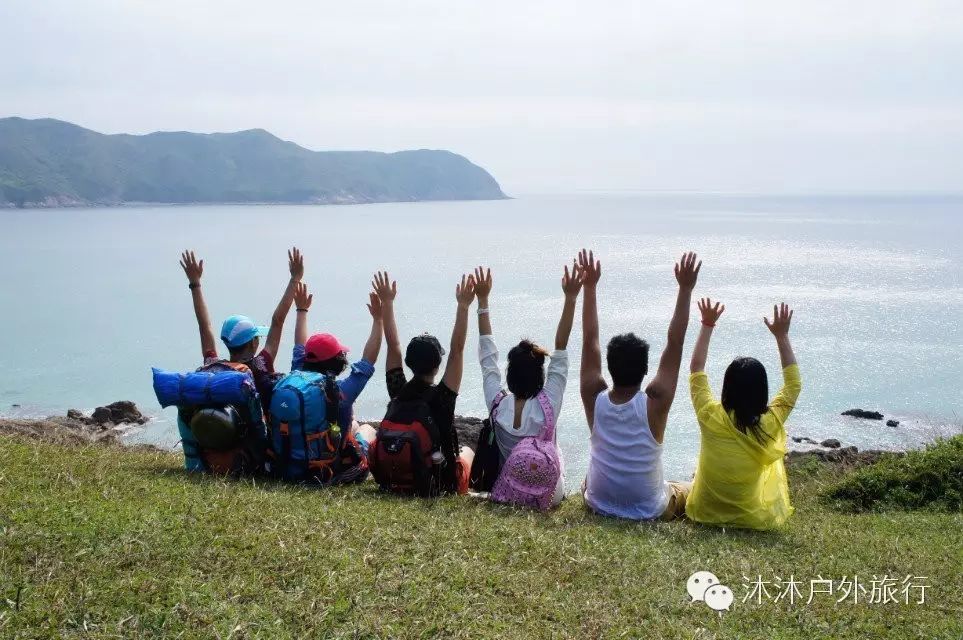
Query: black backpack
{"x": 488, "y": 458}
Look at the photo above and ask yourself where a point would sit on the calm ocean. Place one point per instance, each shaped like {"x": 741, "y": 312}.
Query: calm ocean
{"x": 92, "y": 298}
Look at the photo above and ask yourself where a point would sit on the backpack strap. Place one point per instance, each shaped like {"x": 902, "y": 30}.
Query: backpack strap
{"x": 332, "y": 415}
{"x": 548, "y": 433}
{"x": 332, "y": 406}
{"x": 501, "y": 395}
{"x": 285, "y": 432}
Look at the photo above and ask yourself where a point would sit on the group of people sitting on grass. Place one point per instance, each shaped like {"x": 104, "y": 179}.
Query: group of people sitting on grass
{"x": 239, "y": 415}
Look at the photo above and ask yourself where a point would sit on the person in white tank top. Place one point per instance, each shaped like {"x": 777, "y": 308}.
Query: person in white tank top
{"x": 627, "y": 425}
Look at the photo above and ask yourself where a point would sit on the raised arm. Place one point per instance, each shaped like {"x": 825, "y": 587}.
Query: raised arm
{"x": 710, "y": 316}
{"x": 781, "y": 318}
{"x": 591, "y": 382}
{"x": 661, "y": 391}
{"x": 571, "y": 285}
{"x": 302, "y": 301}
{"x": 483, "y": 287}
{"x": 373, "y": 346}
{"x": 387, "y": 289}
{"x": 784, "y": 402}
{"x": 194, "y": 270}
{"x": 464, "y": 294}
{"x": 296, "y": 268}
{"x": 487, "y": 350}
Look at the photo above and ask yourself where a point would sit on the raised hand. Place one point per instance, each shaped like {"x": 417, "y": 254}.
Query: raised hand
{"x": 483, "y": 282}
{"x": 710, "y": 312}
{"x": 687, "y": 270}
{"x": 192, "y": 268}
{"x": 384, "y": 287}
{"x": 302, "y": 299}
{"x": 465, "y": 291}
{"x": 295, "y": 264}
{"x": 590, "y": 267}
{"x": 572, "y": 282}
{"x": 781, "y": 317}
{"x": 374, "y": 305}
{"x": 302, "y": 302}
{"x": 571, "y": 285}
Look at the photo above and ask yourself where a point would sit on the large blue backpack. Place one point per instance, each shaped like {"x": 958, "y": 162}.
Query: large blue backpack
{"x": 308, "y": 443}
{"x": 219, "y": 417}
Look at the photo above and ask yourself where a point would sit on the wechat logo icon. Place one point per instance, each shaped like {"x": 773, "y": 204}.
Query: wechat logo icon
{"x": 704, "y": 586}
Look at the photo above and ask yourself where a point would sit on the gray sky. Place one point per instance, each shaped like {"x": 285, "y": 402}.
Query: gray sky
{"x": 764, "y": 96}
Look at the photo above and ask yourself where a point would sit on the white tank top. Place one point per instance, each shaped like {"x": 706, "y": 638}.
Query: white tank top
{"x": 625, "y": 462}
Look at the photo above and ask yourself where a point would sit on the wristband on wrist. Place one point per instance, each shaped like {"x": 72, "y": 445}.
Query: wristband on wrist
{"x": 302, "y": 310}
{"x": 708, "y": 324}
{"x": 194, "y": 285}
{"x": 482, "y": 311}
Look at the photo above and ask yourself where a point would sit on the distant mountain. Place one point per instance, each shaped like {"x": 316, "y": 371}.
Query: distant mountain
{"x": 54, "y": 163}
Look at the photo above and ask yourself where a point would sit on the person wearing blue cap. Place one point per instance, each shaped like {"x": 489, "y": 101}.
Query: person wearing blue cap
{"x": 241, "y": 335}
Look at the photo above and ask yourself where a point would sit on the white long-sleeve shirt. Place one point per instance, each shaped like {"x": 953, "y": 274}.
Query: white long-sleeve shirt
{"x": 533, "y": 418}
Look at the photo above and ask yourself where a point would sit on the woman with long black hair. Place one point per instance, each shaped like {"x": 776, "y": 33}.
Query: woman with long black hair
{"x": 741, "y": 480}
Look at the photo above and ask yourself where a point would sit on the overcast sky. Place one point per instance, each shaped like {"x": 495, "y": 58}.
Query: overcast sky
{"x": 550, "y": 96}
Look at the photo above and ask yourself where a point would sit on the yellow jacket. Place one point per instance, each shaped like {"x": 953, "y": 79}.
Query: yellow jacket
{"x": 739, "y": 481}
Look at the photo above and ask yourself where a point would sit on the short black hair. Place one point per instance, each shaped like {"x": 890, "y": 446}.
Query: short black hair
{"x": 526, "y": 369}
{"x": 423, "y": 355}
{"x": 236, "y": 353}
{"x": 627, "y": 356}
{"x": 332, "y": 366}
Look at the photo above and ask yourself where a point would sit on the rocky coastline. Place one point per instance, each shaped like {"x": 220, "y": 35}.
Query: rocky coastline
{"x": 108, "y": 424}
{"x": 105, "y": 425}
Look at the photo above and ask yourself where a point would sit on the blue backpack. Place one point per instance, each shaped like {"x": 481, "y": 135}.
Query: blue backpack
{"x": 219, "y": 417}
{"x": 307, "y": 443}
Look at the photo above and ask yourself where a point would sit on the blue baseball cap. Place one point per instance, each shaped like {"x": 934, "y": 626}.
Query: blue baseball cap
{"x": 239, "y": 330}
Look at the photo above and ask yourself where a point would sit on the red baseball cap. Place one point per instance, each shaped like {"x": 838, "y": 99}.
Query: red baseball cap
{"x": 322, "y": 346}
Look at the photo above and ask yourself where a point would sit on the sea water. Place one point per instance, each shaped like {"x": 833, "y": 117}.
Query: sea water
{"x": 92, "y": 298}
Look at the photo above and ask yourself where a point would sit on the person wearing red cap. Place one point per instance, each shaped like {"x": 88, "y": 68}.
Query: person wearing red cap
{"x": 324, "y": 353}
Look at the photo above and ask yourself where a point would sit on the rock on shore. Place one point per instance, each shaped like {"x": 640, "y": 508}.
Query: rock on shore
{"x": 60, "y": 430}
{"x": 843, "y": 456}
{"x": 468, "y": 429}
{"x": 121, "y": 412}
{"x": 105, "y": 425}
{"x": 863, "y": 413}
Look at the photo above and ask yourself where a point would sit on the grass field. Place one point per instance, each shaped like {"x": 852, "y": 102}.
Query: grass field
{"x": 100, "y": 542}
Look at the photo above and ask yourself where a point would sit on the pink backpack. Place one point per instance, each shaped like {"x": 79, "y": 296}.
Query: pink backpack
{"x": 531, "y": 472}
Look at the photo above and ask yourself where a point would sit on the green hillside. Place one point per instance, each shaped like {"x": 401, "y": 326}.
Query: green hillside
{"x": 54, "y": 163}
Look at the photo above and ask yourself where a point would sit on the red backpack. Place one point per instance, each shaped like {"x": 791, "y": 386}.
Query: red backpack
{"x": 401, "y": 457}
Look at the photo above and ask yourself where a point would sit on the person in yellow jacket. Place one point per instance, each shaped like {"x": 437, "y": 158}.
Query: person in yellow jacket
{"x": 740, "y": 480}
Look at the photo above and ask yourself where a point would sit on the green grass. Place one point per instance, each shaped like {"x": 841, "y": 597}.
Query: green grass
{"x": 106, "y": 543}
{"x": 931, "y": 478}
